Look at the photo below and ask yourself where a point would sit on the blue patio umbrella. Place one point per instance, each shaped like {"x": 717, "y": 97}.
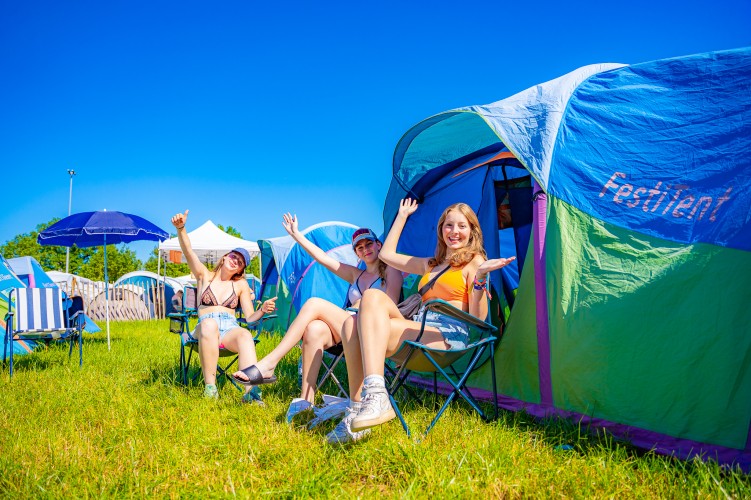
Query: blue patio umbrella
{"x": 101, "y": 228}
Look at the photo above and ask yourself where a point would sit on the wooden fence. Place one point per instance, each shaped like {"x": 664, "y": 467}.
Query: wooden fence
{"x": 126, "y": 302}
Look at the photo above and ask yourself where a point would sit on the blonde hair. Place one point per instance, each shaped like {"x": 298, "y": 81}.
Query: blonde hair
{"x": 474, "y": 246}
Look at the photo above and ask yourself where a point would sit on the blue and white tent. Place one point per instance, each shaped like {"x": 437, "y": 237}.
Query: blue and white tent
{"x": 290, "y": 274}
{"x": 625, "y": 192}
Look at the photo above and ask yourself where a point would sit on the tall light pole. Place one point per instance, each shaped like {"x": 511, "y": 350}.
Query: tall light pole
{"x": 70, "y": 201}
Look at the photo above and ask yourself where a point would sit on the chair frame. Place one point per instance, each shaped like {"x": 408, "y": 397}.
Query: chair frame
{"x": 336, "y": 354}
{"x": 66, "y": 332}
{"x": 423, "y": 359}
{"x": 180, "y": 324}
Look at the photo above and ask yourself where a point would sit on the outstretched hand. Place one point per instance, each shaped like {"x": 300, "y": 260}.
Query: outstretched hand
{"x": 290, "y": 223}
{"x": 269, "y": 305}
{"x": 407, "y": 207}
{"x": 179, "y": 220}
{"x": 491, "y": 265}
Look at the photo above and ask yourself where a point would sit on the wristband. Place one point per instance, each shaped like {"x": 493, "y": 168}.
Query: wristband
{"x": 482, "y": 285}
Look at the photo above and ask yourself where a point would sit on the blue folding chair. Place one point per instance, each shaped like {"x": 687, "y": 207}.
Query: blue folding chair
{"x": 454, "y": 366}
{"x": 39, "y": 316}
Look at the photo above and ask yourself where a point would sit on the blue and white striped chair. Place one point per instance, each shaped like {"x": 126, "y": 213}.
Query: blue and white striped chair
{"x": 38, "y": 315}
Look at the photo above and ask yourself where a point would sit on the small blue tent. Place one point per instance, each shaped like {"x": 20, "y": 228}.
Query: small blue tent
{"x": 290, "y": 274}
{"x": 625, "y": 192}
{"x": 31, "y": 272}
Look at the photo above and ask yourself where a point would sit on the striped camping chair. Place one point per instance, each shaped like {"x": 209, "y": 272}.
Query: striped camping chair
{"x": 38, "y": 315}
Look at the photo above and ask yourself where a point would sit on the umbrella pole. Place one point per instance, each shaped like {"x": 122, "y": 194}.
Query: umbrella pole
{"x": 107, "y": 294}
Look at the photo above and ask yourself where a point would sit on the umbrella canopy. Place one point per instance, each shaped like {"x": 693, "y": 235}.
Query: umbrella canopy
{"x": 102, "y": 228}
{"x": 93, "y": 229}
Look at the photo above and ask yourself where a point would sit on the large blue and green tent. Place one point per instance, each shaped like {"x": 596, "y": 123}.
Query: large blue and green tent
{"x": 293, "y": 276}
{"x": 624, "y": 191}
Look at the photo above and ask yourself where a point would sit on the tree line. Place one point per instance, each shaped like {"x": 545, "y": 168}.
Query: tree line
{"x": 89, "y": 262}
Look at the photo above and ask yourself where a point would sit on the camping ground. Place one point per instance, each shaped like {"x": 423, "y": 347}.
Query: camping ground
{"x": 123, "y": 426}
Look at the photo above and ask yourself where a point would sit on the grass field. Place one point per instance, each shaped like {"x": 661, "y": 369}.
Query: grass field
{"x": 123, "y": 426}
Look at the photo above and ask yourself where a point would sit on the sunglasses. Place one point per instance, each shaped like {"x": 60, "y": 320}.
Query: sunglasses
{"x": 237, "y": 258}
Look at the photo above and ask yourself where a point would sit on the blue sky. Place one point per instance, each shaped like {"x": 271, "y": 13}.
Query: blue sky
{"x": 241, "y": 111}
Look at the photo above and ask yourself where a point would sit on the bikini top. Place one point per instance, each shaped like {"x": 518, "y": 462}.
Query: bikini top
{"x": 450, "y": 286}
{"x": 209, "y": 299}
{"x": 354, "y": 293}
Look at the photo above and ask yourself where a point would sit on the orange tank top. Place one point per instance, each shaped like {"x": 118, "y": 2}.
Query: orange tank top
{"x": 450, "y": 286}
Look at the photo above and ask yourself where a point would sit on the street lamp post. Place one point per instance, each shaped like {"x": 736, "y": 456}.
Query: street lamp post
{"x": 70, "y": 201}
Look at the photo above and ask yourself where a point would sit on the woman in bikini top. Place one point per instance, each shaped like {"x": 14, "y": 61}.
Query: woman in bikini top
{"x": 217, "y": 325}
{"x": 209, "y": 299}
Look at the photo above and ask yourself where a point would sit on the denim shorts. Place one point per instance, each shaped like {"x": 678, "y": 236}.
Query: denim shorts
{"x": 225, "y": 322}
{"x": 455, "y": 333}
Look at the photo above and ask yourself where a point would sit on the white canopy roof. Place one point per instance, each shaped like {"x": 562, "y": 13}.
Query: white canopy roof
{"x": 210, "y": 243}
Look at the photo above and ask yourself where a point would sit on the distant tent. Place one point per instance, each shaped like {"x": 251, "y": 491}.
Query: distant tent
{"x": 146, "y": 285}
{"x": 208, "y": 242}
{"x": 8, "y": 281}
{"x": 625, "y": 193}
{"x": 289, "y": 273}
{"x": 31, "y": 272}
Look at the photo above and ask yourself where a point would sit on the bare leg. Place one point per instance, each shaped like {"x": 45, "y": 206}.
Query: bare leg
{"x": 382, "y": 330}
{"x": 208, "y": 349}
{"x": 317, "y": 338}
{"x": 351, "y": 344}
{"x": 240, "y": 340}
{"x": 314, "y": 309}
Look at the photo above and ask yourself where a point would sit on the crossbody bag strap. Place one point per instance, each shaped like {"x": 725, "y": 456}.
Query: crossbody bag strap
{"x": 430, "y": 283}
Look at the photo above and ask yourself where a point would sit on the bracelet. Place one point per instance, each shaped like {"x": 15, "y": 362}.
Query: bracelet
{"x": 482, "y": 285}
{"x": 181, "y": 227}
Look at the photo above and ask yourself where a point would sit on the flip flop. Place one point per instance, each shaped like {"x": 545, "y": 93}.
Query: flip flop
{"x": 254, "y": 377}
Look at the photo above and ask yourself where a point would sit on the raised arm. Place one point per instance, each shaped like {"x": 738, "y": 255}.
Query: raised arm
{"x": 479, "y": 270}
{"x": 344, "y": 271}
{"x": 406, "y": 263}
{"x": 194, "y": 263}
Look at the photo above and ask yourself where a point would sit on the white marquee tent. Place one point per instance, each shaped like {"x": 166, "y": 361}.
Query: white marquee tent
{"x": 209, "y": 242}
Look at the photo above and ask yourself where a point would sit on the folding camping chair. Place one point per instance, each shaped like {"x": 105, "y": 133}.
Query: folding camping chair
{"x": 454, "y": 366}
{"x": 180, "y": 324}
{"x": 39, "y": 316}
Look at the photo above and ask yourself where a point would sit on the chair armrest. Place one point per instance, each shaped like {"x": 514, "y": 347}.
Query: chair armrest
{"x": 443, "y": 307}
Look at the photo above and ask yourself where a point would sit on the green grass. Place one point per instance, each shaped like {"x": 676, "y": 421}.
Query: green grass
{"x": 122, "y": 426}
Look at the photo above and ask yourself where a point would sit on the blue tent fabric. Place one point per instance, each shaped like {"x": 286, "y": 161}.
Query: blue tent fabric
{"x": 31, "y": 272}
{"x": 8, "y": 279}
{"x": 679, "y": 187}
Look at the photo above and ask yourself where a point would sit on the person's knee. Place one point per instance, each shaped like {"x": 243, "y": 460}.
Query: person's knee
{"x": 317, "y": 335}
{"x": 208, "y": 331}
{"x": 372, "y": 296}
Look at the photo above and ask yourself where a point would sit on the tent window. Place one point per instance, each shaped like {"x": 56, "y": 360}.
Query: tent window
{"x": 513, "y": 197}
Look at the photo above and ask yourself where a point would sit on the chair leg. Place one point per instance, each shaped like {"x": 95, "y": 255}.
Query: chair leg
{"x": 399, "y": 414}
{"x": 11, "y": 358}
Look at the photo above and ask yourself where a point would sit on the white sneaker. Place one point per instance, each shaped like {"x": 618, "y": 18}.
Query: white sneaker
{"x": 298, "y": 405}
{"x": 376, "y": 408}
{"x": 342, "y": 433}
{"x": 328, "y": 412}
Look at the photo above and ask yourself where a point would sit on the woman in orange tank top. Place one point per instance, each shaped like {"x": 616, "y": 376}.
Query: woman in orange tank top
{"x": 380, "y": 329}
